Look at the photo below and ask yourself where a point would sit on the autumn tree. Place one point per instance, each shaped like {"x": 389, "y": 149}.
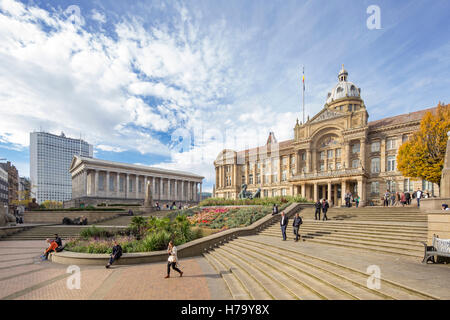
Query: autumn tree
{"x": 422, "y": 156}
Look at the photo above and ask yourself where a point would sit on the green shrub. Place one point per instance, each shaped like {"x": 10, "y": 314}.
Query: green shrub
{"x": 257, "y": 201}
{"x": 93, "y": 231}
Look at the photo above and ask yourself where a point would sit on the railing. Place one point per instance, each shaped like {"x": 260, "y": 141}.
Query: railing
{"x": 328, "y": 174}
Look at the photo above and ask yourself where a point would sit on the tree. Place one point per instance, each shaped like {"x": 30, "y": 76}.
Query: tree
{"x": 422, "y": 156}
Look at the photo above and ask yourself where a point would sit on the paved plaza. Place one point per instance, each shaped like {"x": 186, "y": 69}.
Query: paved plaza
{"x": 24, "y": 277}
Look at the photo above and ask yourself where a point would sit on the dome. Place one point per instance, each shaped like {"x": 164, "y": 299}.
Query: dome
{"x": 343, "y": 88}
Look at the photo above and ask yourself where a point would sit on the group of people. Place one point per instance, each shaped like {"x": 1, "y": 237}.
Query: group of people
{"x": 403, "y": 198}
{"x": 54, "y": 245}
{"x": 172, "y": 206}
{"x": 297, "y": 221}
{"x": 172, "y": 261}
{"x": 349, "y": 198}
{"x": 321, "y": 206}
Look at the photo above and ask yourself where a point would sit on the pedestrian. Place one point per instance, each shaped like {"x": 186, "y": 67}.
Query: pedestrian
{"x": 318, "y": 207}
{"x": 172, "y": 261}
{"x": 296, "y": 224}
{"x": 274, "y": 209}
{"x": 52, "y": 245}
{"x": 408, "y": 198}
{"x": 357, "y": 200}
{"x": 403, "y": 199}
{"x": 387, "y": 195}
{"x": 325, "y": 207}
{"x": 130, "y": 212}
{"x": 419, "y": 195}
{"x": 283, "y": 223}
{"x": 115, "y": 255}
{"x": 392, "y": 199}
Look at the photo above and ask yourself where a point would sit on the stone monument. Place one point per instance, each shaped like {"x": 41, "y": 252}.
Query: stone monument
{"x": 6, "y": 219}
{"x": 148, "y": 202}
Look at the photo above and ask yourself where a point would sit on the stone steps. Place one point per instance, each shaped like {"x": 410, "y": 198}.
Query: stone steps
{"x": 254, "y": 268}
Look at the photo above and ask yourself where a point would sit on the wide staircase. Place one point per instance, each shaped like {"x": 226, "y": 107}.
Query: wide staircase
{"x": 261, "y": 267}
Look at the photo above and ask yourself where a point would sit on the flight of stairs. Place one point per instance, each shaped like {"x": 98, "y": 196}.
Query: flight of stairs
{"x": 260, "y": 267}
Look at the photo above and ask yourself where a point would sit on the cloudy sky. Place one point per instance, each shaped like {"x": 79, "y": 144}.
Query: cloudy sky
{"x": 172, "y": 83}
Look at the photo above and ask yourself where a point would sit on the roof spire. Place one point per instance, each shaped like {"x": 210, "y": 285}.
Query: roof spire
{"x": 342, "y": 74}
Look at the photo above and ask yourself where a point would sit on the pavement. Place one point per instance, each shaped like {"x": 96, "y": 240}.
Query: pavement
{"x": 23, "y": 276}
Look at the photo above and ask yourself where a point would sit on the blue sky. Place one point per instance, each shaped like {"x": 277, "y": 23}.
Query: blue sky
{"x": 172, "y": 83}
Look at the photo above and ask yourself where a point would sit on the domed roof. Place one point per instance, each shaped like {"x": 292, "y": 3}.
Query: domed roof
{"x": 343, "y": 88}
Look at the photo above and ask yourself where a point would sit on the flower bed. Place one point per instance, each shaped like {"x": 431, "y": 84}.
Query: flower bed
{"x": 257, "y": 201}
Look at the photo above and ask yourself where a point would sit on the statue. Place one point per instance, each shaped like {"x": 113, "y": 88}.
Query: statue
{"x": 244, "y": 194}
{"x": 148, "y": 202}
{"x": 6, "y": 219}
{"x": 257, "y": 194}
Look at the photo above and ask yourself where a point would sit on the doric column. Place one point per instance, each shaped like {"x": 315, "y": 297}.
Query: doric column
{"x": 329, "y": 192}
{"x": 118, "y": 184}
{"x": 315, "y": 191}
{"x": 107, "y": 184}
{"x": 137, "y": 187}
{"x": 96, "y": 183}
{"x": 161, "y": 188}
{"x": 127, "y": 187}
{"x": 144, "y": 190}
{"x": 153, "y": 187}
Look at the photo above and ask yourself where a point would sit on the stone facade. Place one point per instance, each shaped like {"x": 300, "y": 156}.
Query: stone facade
{"x": 336, "y": 151}
{"x": 13, "y": 182}
{"x": 100, "y": 181}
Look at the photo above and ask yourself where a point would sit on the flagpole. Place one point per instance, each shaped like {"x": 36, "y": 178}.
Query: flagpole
{"x": 303, "y": 79}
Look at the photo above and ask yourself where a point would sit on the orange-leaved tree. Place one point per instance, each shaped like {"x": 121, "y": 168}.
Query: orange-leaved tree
{"x": 422, "y": 156}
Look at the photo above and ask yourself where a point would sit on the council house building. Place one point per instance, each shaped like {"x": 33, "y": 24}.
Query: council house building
{"x": 335, "y": 152}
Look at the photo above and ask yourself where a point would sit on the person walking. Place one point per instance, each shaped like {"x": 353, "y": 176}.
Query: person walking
{"x": 387, "y": 195}
{"x": 325, "y": 206}
{"x": 403, "y": 199}
{"x": 172, "y": 261}
{"x": 318, "y": 206}
{"x": 408, "y": 198}
{"x": 274, "y": 209}
{"x": 115, "y": 255}
{"x": 419, "y": 195}
{"x": 357, "y": 201}
{"x": 283, "y": 224}
{"x": 296, "y": 224}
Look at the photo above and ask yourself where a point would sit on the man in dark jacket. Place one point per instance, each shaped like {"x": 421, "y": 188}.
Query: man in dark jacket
{"x": 284, "y": 223}
{"x": 59, "y": 242}
{"x": 325, "y": 206}
{"x": 296, "y": 224}
{"x": 318, "y": 207}
{"x": 116, "y": 254}
{"x": 274, "y": 209}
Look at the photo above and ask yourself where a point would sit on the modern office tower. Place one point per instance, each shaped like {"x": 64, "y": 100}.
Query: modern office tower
{"x": 50, "y": 159}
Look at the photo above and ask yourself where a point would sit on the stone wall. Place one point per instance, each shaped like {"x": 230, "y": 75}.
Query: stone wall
{"x": 57, "y": 216}
{"x": 438, "y": 224}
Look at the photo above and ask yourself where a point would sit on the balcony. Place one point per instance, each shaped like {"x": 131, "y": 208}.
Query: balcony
{"x": 328, "y": 174}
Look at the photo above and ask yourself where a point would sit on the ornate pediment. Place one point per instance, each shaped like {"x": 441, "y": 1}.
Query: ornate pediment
{"x": 325, "y": 114}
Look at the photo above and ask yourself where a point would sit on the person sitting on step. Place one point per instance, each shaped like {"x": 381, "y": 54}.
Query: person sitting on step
{"x": 52, "y": 245}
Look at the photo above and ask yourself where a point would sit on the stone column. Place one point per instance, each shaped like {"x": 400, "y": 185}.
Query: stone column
{"x": 137, "y": 187}
{"x": 118, "y": 184}
{"x": 182, "y": 190}
{"x": 362, "y": 153}
{"x": 280, "y": 173}
{"x": 96, "y": 184}
{"x": 175, "y": 185}
{"x": 329, "y": 192}
{"x": 309, "y": 165}
{"x": 235, "y": 175}
{"x": 343, "y": 191}
{"x": 315, "y": 191}
{"x": 304, "y": 190}
{"x": 361, "y": 192}
{"x": 154, "y": 187}
{"x": 314, "y": 161}
{"x": 144, "y": 190}
{"x": 200, "y": 194}
{"x": 288, "y": 176}
{"x": 383, "y": 155}
{"x": 255, "y": 182}
{"x": 347, "y": 155}
{"x": 161, "y": 188}
{"x": 107, "y": 184}
{"x": 297, "y": 162}
{"x": 127, "y": 187}
{"x": 85, "y": 180}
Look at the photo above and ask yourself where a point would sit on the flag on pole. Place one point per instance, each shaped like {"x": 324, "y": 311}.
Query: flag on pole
{"x": 303, "y": 78}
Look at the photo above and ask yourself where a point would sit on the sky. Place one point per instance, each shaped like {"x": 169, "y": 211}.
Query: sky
{"x": 172, "y": 83}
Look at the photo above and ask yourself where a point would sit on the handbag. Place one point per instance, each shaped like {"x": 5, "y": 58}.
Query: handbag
{"x": 171, "y": 259}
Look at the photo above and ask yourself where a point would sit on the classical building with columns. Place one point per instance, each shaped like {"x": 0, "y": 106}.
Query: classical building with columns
{"x": 97, "y": 181}
{"x": 335, "y": 152}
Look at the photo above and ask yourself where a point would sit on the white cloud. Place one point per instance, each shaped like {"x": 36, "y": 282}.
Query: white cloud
{"x": 97, "y": 16}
